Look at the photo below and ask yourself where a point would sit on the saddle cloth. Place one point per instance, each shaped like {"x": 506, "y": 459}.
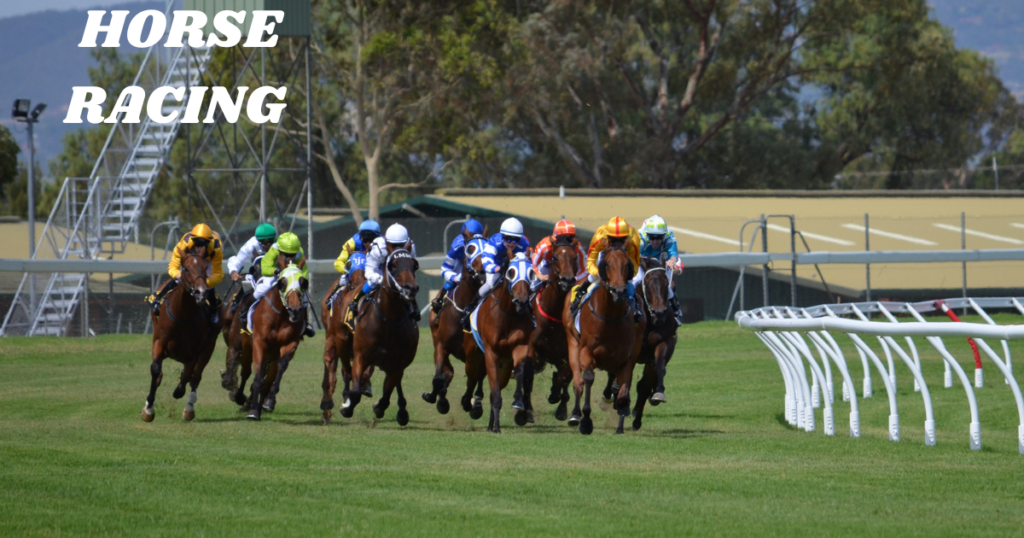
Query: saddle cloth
{"x": 474, "y": 328}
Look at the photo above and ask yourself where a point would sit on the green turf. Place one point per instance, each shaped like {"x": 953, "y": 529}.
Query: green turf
{"x": 718, "y": 459}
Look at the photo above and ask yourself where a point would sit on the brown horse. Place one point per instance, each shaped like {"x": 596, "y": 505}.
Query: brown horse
{"x": 548, "y": 340}
{"x": 236, "y": 357}
{"x": 504, "y": 325}
{"x": 185, "y": 333}
{"x": 277, "y": 327}
{"x": 386, "y": 335}
{"x": 338, "y": 345}
{"x": 608, "y": 338}
{"x": 659, "y": 339}
{"x": 449, "y": 338}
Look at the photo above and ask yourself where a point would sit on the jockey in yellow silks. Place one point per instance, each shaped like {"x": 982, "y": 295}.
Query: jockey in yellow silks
{"x": 204, "y": 242}
{"x": 614, "y": 234}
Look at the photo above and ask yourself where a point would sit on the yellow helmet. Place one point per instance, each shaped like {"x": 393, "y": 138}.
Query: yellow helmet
{"x": 617, "y": 227}
{"x": 202, "y": 231}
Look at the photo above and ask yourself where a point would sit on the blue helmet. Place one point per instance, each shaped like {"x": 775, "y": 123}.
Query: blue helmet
{"x": 370, "y": 225}
{"x": 473, "y": 226}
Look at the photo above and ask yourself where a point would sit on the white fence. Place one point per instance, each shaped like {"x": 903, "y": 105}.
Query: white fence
{"x": 782, "y": 329}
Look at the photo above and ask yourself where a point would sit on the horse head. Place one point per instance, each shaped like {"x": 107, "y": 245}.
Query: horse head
{"x": 564, "y": 263}
{"x": 400, "y": 269}
{"x": 194, "y": 269}
{"x": 655, "y": 288}
{"x": 474, "y": 265}
{"x": 355, "y": 267}
{"x": 615, "y": 270}
{"x": 520, "y": 276}
{"x": 292, "y": 286}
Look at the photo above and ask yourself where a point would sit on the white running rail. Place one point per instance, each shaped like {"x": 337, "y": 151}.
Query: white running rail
{"x": 782, "y": 330}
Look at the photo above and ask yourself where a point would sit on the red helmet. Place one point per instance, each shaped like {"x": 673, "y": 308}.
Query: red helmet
{"x": 617, "y": 227}
{"x": 564, "y": 227}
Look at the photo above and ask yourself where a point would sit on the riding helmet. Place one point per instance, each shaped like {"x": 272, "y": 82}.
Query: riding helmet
{"x": 265, "y": 232}
{"x": 473, "y": 226}
{"x": 202, "y": 231}
{"x": 397, "y": 234}
{"x": 565, "y": 227}
{"x": 288, "y": 243}
{"x": 617, "y": 227}
{"x": 655, "y": 226}
{"x": 370, "y": 225}
{"x": 512, "y": 227}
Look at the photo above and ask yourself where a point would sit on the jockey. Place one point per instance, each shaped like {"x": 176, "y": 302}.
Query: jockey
{"x": 289, "y": 250}
{"x": 360, "y": 242}
{"x": 205, "y": 242}
{"x": 616, "y": 233}
{"x": 451, "y": 269}
{"x": 657, "y": 241}
{"x": 494, "y": 257}
{"x": 566, "y": 231}
{"x": 396, "y": 237}
{"x": 250, "y": 253}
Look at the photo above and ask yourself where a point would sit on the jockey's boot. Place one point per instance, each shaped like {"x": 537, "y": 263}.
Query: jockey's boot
{"x": 469, "y": 312}
{"x": 214, "y": 301}
{"x": 677, "y": 311}
{"x": 353, "y": 309}
{"x": 438, "y": 302}
{"x": 236, "y": 300}
{"x": 581, "y": 292}
{"x": 154, "y": 299}
{"x": 309, "y": 331}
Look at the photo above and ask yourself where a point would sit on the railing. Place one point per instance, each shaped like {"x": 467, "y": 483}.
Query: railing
{"x": 781, "y": 329}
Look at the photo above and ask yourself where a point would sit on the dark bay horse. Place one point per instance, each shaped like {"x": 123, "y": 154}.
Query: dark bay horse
{"x": 386, "y": 335}
{"x": 239, "y": 354}
{"x": 548, "y": 341}
{"x": 184, "y": 333}
{"x": 608, "y": 337}
{"x": 659, "y": 339}
{"x": 278, "y": 323}
{"x": 338, "y": 344}
{"x": 449, "y": 338}
{"x": 504, "y": 323}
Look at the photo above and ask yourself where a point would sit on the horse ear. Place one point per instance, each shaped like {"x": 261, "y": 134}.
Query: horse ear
{"x": 415, "y": 265}
{"x": 487, "y": 231}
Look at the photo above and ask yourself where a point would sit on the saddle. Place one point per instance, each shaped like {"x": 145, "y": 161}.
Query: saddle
{"x": 351, "y": 317}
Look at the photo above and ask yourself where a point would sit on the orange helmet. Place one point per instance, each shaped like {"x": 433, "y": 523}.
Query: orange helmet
{"x": 202, "y": 231}
{"x": 564, "y": 227}
{"x": 617, "y": 227}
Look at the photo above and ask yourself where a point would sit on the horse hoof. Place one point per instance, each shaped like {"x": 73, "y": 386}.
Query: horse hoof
{"x": 586, "y": 426}
{"x": 367, "y": 391}
{"x": 240, "y": 399}
{"x": 529, "y": 416}
{"x": 520, "y": 418}
{"x": 561, "y": 413}
{"x": 443, "y": 406}
{"x": 147, "y": 414}
{"x": 619, "y": 431}
{"x": 178, "y": 392}
{"x": 269, "y": 405}
{"x": 636, "y": 424}
{"x": 253, "y": 415}
{"x": 327, "y": 416}
{"x": 403, "y": 417}
{"x": 658, "y": 398}
{"x": 327, "y": 406}
{"x": 346, "y": 412}
{"x": 467, "y": 403}
{"x": 188, "y": 415}
{"x": 429, "y": 397}
{"x": 574, "y": 420}
{"x": 518, "y": 405}
{"x": 553, "y": 398}
{"x": 377, "y": 411}
{"x": 476, "y": 412}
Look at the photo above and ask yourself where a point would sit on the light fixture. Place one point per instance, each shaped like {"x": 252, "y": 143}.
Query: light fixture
{"x": 37, "y": 111}
{"x": 20, "y": 108}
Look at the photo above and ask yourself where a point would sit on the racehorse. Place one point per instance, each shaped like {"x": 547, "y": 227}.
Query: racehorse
{"x": 338, "y": 344}
{"x": 449, "y": 338}
{"x": 278, "y": 322}
{"x": 237, "y": 356}
{"x": 386, "y": 335}
{"x": 504, "y": 322}
{"x": 548, "y": 340}
{"x": 608, "y": 337}
{"x": 659, "y": 339}
{"x": 185, "y": 333}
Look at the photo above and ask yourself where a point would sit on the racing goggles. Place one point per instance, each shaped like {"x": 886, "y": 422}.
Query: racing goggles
{"x": 656, "y": 237}
{"x": 568, "y": 238}
{"x": 200, "y": 242}
{"x": 509, "y": 238}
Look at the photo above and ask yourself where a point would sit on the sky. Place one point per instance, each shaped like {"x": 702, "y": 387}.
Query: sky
{"x": 9, "y": 8}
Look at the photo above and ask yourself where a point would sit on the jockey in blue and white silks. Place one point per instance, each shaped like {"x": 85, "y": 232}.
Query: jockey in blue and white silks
{"x": 397, "y": 236}
{"x": 496, "y": 254}
{"x": 454, "y": 262}
{"x": 657, "y": 241}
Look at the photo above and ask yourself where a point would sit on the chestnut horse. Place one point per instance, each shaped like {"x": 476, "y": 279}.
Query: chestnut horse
{"x": 608, "y": 337}
{"x": 236, "y": 355}
{"x": 338, "y": 345}
{"x": 386, "y": 335}
{"x": 450, "y": 339}
{"x": 659, "y": 339}
{"x": 184, "y": 333}
{"x": 278, "y": 323}
{"x": 548, "y": 340}
{"x": 504, "y": 322}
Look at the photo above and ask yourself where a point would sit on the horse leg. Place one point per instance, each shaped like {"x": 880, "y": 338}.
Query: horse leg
{"x": 492, "y": 377}
{"x": 643, "y": 391}
{"x": 329, "y": 383}
{"x": 478, "y": 397}
{"x": 577, "y": 383}
{"x": 625, "y": 379}
{"x": 385, "y": 398}
{"x": 661, "y": 361}
{"x": 528, "y": 372}
{"x": 186, "y": 374}
{"x": 587, "y": 365}
{"x": 555, "y": 393}
{"x": 403, "y": 413}
{"x": 608, "y": 389}
{"x": 282, "y": 364}
{"x": 239, "y": 397}
{"x": 565, "y": 377}
{"x": 354, "y": 394}
{"x": 259, "y": 369}
{"x": 229, "y": 379}
{"x": 156, "y": 374}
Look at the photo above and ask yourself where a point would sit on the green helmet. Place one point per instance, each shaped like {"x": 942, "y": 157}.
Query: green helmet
{"x": 265, "y": 232}
{"x": 288, "y": 243}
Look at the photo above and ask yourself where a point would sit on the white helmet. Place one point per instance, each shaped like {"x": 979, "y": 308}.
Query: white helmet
{"x": 655, "y": 225}
{"x": 512, "y": 227}
{"x": 396, "y": 234}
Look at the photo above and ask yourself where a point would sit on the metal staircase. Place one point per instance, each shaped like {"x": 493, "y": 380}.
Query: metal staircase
{"x": 98, "y": 216}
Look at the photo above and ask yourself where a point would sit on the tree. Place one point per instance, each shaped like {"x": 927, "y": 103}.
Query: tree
{"x": 9, "y": 150}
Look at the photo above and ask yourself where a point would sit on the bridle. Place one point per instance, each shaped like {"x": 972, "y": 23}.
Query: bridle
{"x": 390, "y": 282}
{"x": 643, "y": 285}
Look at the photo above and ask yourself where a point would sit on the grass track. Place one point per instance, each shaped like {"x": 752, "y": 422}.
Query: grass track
{"x": 718, "y": 459}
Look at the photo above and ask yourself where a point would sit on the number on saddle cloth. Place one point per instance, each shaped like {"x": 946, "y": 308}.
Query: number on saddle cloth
{"x": 357, "y": 262}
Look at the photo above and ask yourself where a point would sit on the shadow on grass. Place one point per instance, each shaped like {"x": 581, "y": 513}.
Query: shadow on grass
{"x": 781, "y": 417}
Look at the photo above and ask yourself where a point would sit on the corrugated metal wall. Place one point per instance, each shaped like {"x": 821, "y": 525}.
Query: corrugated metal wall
{"x": 297, "y": 13}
